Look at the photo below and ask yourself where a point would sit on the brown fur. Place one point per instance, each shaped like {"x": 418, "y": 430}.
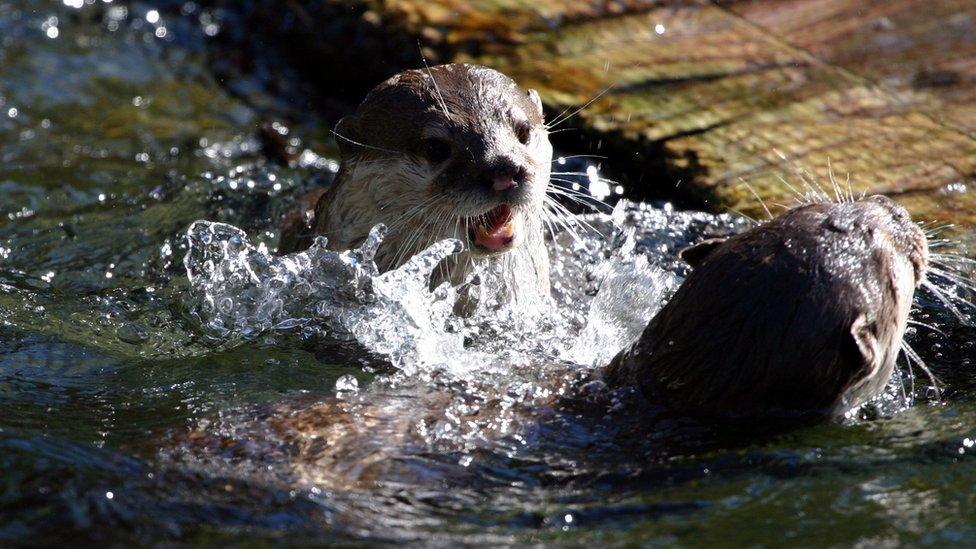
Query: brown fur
{"x": 805, "y": 313}
{"x": 297, "y": 230}
{"x": 384, "y": 176}
{"x": 802, "y": 314}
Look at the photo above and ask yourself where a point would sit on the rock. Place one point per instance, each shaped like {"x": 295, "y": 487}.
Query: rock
{"x": 132, "y": 333}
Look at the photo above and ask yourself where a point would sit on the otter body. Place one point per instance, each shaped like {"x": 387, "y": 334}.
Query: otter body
{"x": 453, "y": 151}
{"x": 804, "y": 314}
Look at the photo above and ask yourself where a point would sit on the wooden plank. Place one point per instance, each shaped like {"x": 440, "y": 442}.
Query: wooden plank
{"x": 759, "y": 92}
{"x": 723, "y": 96}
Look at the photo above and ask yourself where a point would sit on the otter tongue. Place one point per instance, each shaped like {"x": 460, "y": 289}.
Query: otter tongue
{"x": 498, "y": 230}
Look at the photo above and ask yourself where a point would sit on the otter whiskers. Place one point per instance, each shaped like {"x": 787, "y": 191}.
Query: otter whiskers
{"x": 364, "y": 145}
{"x": 430, "y": 230}
{"x": 560, "y": 216}
{"x": 562, "y": 117}
{"x": 950, "y": 268}
{"x": 910, "y": 357}
{"x": 578, "y": 197}
{"x": 815, "y": 193}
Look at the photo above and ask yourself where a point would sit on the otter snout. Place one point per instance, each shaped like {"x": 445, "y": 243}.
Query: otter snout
{"x": 508, "y": 182}
{"x": 802, "y": 315}
{"x": 505, "y": 174}
{"x": 905, "y": 236}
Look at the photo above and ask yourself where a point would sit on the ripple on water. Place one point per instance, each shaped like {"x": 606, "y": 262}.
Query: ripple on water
{"x": 116, "y": 139}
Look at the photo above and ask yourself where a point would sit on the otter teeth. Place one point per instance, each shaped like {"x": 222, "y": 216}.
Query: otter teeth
{"x": 498, "y": 231}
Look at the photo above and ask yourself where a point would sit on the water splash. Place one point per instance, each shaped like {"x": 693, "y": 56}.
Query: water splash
{"x": 493, "y": 398}
{"x": 241, "y": 291}
{"x": 607, "y": 287}
{"x": 606, "y": 291}
{"x": 633, "y": 292}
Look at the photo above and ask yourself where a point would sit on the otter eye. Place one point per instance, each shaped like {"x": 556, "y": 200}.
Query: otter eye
{"x": 436, "y": 150}
{"x": 523, "y": 132}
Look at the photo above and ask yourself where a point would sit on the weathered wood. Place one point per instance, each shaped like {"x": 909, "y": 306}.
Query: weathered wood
{"x": 486, "y": 23}
{"x": 756, "y": 93}
{"x": 724, "y": 99}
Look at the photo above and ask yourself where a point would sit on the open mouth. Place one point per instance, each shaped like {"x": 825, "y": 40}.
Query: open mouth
{"x": 495, "y": 230}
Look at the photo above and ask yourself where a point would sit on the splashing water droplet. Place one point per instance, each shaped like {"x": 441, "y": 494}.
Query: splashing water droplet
{"x": 347, "y": 384}
{"x": 606, "y": 288}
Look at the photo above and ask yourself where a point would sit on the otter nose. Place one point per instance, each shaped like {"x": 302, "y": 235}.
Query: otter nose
{"x": 501, "y": 182}
{"x": 506, "y": 174}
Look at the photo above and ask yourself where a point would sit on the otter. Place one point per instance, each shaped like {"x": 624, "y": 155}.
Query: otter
{"x": 451, "y": 151}
{"x": 802, "y": 315}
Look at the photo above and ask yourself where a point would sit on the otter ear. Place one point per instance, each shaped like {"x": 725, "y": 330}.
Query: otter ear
{"x": 865, "y": 340}
{"x": 347, "y": 135}
{"x": 536, "y": 100}
{"x": 693, "y": 255}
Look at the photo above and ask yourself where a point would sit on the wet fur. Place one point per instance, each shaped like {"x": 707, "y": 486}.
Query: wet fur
{"x": 804, "y": 314}
{"x": 800, "y": 316}
{"x": 384, "y": 177}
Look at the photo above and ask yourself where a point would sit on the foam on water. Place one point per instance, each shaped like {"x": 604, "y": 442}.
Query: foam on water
{"x": 606, "y": 290}
{"x": 607, "y": 283}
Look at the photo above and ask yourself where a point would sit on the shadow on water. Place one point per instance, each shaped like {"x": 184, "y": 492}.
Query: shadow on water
{"x": 115, "y": 136}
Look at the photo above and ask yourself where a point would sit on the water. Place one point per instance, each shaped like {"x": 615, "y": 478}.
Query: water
{"x": 137, "y": 403}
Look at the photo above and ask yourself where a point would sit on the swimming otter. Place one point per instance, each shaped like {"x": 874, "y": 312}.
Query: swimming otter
{"x": 453, "y": 151}
{"x": 804, "y": 314}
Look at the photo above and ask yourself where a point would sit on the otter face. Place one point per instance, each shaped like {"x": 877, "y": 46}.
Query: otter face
{"x": 454, "y": 151}
{"x": 885, "y": 262}
{"x": 803, "y": 314}
{"x": 872, "y": 240}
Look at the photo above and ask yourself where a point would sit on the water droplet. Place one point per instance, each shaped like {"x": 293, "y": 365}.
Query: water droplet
{"x": 347, "y": 384}
{"x": 839, "y": 225}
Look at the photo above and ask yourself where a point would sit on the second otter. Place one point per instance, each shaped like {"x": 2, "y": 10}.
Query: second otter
{"x": 804, "y": 314}
{"x": 454, "y": 151}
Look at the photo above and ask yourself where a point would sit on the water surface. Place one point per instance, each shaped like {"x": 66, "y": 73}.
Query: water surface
{"x": 115, "y": 138}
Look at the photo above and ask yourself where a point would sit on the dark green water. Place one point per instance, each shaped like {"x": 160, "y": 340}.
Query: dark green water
{"x": 114, "y": 137}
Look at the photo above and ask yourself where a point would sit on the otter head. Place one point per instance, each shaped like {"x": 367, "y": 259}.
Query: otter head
{"x": 453, "y": 151}
{"x": 803, "y": 314}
